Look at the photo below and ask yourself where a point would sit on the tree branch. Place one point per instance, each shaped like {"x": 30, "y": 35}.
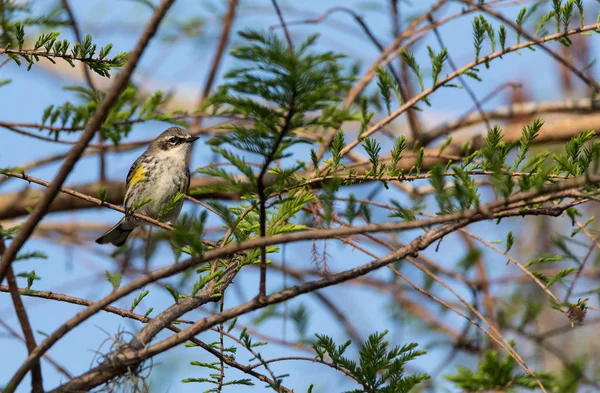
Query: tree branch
{"x": 37, "y": 385}
{"x": 514, "y": 205}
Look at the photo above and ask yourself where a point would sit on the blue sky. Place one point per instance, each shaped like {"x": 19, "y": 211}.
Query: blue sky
{"x": 182, "y": 67}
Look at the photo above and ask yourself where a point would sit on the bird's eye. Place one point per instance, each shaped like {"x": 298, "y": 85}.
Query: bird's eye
{"x": 173, "y": 140}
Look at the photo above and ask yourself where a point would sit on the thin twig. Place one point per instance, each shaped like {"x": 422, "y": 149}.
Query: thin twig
{"x": 37, "y": 385}
{"x": 16, "y": 335}
{"x": 263, "y": 363}
{"x": 78, "y": 37}
{"x": 488, "y": 300}
{"x": 261, "y": 176}
{"x": 217, "y": 58}
{"x": 222, "y": 350}
{"x": 88, "y": 77}
{"x": 5, "y": 62}
{"x": 462, "y": 80}
{"x": 216, "y": 63}
{"x": 517, "y": 263}
{"x": 595, "y": 243}
{"x": 492, "y": 333}
{"x": 404, "y": 81}
{"x": 288, "y": 37}
{"x": 261, "y": 192}
{"x": 44, "y": 53}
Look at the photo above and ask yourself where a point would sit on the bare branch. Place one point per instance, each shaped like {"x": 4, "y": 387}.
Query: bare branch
{"x": 37, "y": 385}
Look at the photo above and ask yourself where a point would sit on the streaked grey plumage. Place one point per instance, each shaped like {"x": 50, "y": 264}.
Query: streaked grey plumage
{"x": 159, "y": 173}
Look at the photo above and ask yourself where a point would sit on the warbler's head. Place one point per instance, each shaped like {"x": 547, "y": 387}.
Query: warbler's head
{"x": 174, "y": 142}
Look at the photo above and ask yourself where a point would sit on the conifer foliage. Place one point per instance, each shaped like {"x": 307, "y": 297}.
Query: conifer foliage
{"x": 400, "y": 231}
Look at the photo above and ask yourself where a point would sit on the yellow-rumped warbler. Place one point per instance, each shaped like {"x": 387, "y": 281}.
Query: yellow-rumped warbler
{"x": 159, "y": 174}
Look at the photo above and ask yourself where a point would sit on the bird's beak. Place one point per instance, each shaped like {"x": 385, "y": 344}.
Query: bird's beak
{"x": 192, "y": 139}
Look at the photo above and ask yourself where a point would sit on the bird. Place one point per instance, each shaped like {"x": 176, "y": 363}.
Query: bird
{"x": 158, "y": 175}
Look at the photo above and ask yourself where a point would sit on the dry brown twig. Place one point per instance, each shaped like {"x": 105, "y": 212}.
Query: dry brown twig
{"x": 90, "y": 83}
{"x": 62, "y": 370}
{"x": 37, "y": 385}
{"x": 216, "y": 62}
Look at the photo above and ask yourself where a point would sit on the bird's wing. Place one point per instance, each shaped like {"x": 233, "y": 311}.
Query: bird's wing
{"x": 135, "y": 174}
{"x": 187, "y": 173}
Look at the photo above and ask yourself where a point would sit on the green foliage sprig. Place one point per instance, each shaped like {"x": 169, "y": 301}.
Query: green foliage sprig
{"x": 520, "y": 19}
{"x": 386, "y": 84}
{"x": 495, "y": 372}
{"x": 412, "y": 63}
{"x": 49, "y": 47}
{"x": 437, "y": 62}
{"x": 379, "y": 368}
{"x": 132, "y": 106}
{"x": 275, "y": 84}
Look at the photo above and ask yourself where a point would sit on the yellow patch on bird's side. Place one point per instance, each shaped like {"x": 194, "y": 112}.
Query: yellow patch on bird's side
{"x": 137, "y": 176}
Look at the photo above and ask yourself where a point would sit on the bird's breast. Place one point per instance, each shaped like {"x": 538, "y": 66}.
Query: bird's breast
{"x": 162, "y": 180}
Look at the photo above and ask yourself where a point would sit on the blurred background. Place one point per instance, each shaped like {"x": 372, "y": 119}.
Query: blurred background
{"x": 178, "y": 62}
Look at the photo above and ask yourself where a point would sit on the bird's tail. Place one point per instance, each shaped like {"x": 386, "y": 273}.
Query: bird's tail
{"x": 117, "y": 234}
